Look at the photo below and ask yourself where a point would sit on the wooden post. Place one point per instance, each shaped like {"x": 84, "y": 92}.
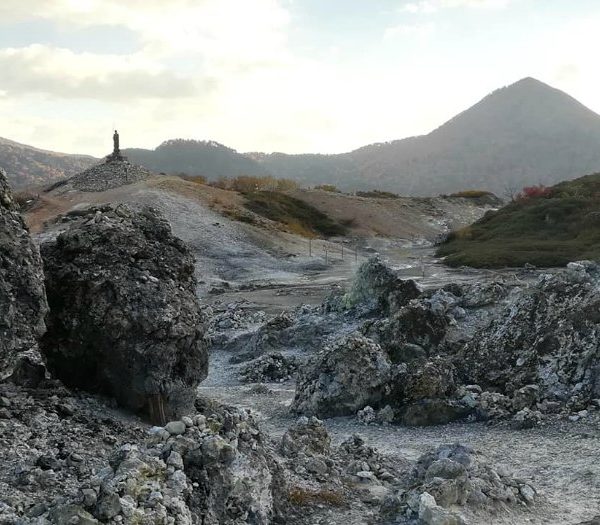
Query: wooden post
{"x": 326, "y": 255}
{"x": 342, "y": 252}
{"x": 309, "y": 247}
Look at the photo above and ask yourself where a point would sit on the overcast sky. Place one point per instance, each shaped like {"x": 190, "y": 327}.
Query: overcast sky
{"x": 276, "y": 75}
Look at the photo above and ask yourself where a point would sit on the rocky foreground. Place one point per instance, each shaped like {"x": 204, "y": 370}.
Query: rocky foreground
{"x": 100, "y": 421}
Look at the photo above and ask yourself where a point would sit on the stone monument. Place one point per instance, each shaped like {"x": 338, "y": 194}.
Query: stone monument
{"x": 116, "y": 155}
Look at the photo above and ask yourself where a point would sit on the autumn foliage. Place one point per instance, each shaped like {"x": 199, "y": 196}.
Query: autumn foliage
{"x": 534, "y": 192}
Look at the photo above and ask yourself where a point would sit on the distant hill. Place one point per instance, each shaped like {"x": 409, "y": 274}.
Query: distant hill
{"x": 526, "y": 133}
{"x": 194, "y": 157}
{"x": 551, "y": 227}
{"x": 28, "y": 166}
{"x": 523, "y": 134}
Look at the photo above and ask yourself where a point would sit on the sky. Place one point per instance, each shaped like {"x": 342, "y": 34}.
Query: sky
{"x": 276, "y": 75}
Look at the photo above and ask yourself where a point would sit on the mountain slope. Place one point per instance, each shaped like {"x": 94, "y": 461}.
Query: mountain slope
{"x": 551, "y": 227}
{"x": 527, "y": 133}
{"x": 194, "y": 157}
{"x": 523, "y": 134}
{"x": 28, "y": 166}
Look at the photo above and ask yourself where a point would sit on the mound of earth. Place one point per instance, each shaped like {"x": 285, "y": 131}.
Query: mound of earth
{"x": 108, "y": 175}
{"x": 550, "y": 227}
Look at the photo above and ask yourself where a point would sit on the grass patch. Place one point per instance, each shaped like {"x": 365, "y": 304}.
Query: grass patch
{"x": 480, "y": 197}
{"x": 471, "y": 194}
{"x": 327, "y": 187}
{"x": 298, "y": 216}
{"x": 376, "y": 194}
{"x": 549, "y": 230}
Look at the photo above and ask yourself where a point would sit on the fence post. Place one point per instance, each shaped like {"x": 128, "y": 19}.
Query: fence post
{"x": 342, "y": 252}
{"x": 309, "y": 247}
{"x": 325, "y": 255}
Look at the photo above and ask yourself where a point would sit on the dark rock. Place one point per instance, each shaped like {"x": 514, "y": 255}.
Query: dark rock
{"x": 548, "y": 336}
{"x": 434, "y": 412}
{"x": 108, "y": 507}
{"x": 377, "y": 287}
{"x": 47, "y": 463}
{"x": 125, "y": 320}
{"x": 343, "y": 378}
{"x": 22, "y": 297}
{"x": 71, "y": 514}
{"x": 37, "y": 510}
{"x": 29, "y": 371}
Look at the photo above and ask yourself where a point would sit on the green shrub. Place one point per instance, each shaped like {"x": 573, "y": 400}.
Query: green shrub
{"x": 376, "y": 194}
{"x": 196, "y": 179}
{"x": 327, "y": 187}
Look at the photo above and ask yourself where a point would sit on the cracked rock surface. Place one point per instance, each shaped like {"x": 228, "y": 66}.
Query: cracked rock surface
{"x": 22, "y": 297}
{"x": 124, "y": 318}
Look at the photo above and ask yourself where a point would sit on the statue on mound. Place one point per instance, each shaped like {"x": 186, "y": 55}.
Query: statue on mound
{"x": 116, "y": 154}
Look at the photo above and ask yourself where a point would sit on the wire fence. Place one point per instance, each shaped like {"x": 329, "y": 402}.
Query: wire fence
{"x": 332, "y": 252}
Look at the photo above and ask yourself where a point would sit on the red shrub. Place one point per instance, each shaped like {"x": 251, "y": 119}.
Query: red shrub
{"x": 534, "y": 192}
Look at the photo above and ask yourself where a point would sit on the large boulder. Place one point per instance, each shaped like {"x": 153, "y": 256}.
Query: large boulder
{"x": 22, "y": 297}
{"x": 344, "y": 378}
{"x": 125, "y": 320}
{"x": 548, "y": 335}
{"x": 377, "y": 287}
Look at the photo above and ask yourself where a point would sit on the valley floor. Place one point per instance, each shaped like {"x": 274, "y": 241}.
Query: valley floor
{"x": 558, "y": 458}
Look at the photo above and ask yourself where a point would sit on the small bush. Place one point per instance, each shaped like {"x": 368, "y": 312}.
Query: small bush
{"x": 534, "y": 192}
{"x": 376, "y": 194}
{"x": 244, "y": 184}
{"x": 471, "y": 194}
{"x": 25, "y": 200}
{"x": 327, "y": 187}
{"x": 196, "y": 179}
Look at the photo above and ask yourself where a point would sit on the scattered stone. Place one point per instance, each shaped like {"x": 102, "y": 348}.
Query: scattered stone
{"x": 269, "y": 368}
{"x": 175, "y": 428}
{"x": 106, "y": 176}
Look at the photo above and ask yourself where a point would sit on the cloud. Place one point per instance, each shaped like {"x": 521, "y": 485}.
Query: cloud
{"x": 412, "y": 31}
{"x": 64, "y": 73}
{"x": 217, "y": 28}
{"x": 186, "y": 47}
{"x": 433, "y": 6}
